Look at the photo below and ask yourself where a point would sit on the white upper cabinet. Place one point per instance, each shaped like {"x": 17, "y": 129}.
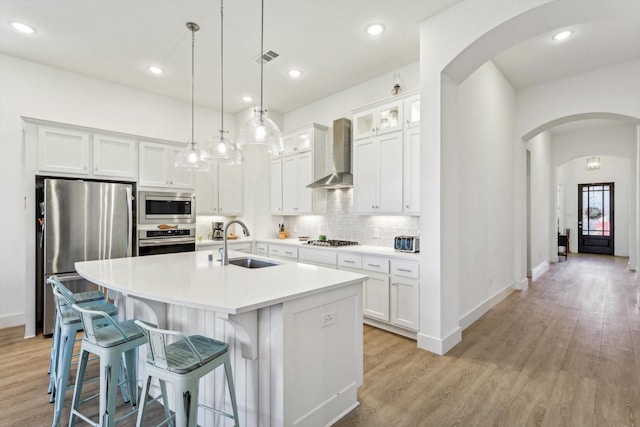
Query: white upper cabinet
{"x": 378, "y": 120}
{"x": 412, "y": 111}
{"x": 63, "y": 150}
{"x": 157, "y": 167}
{"x": 115, "y": 156}
{"x": 378, "y": 174}
{"x": 411, "y": 171}
{"x": 276, "y": 186}
{"x": 303, "y": 162}
{"x": 77, "y": 152}
{"x": 219, "y": 190}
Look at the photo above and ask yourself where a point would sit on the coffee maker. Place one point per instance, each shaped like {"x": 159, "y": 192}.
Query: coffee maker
{"x": 218, "y": 230}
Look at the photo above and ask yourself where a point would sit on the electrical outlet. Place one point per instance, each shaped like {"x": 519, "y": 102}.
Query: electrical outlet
{"x": 490, "y": 281}
{"x": 376, "y": 232}
{"x": 295, "y": 228}
{"x": 327, "y": 319}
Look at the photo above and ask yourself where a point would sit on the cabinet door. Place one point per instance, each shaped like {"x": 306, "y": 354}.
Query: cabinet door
{"x": 276, "y": 186}
{"x": 389, "y": 118}
{"x": 412, "y": 111}
{"x": 405, "y": 302}
{"x": 179, "y": 177}
{"x": 229, "y": 189}
{"x": 376, "y": 297}
{"x": 63, "y": 150}
{"x": 207, "y": 191}
{"x": 365, "y": 175}
{"x": 289, "y": 184}
{"x": 411, "y": 166}
{"x": 305, "y": 177}
{"x": 364, "y": 124}
{"x": 390, "y": 173}
{"x": 113, "y": 156}
{"x": 153, "y": 159}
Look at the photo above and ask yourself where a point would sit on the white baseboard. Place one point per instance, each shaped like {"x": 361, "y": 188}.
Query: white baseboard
{"x": 437, "y": 345}
{"x": 524, "y": 284}
{"x": 12, "y": 320}
{"x": 469, "y": 318}
{"x": 541, "y": 268}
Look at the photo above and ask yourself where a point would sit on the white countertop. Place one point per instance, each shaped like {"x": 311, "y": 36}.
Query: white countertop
{"x": 388, "y": 252}
{"x": 190, "y": 280}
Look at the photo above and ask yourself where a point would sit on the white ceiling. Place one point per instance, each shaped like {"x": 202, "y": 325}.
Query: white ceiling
{"x": 116, "y": 40}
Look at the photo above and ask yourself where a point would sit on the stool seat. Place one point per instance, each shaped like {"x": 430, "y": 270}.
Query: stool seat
{"x": 180, "y": 357}
{"x": 182, "y": 363}
{"x": 110, "y": 336}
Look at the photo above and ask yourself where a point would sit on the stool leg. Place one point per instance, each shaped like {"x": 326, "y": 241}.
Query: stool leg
{"x": 77, "y": 390}
{"x": 143, "y": 400}
{"x": 122, "y": 379}
{"x": 165, "y": 402}
{"x": 109, "y": 372}
{"x": 53, "y": 360}
{"x": 186, "y": 403}
{"x": 61, "y": 372}
{"x": 130, "y": 369}
{"x": 232, "y": 389}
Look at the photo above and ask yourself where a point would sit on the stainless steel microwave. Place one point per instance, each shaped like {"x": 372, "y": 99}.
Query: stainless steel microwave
{"x": 170, "y": 208}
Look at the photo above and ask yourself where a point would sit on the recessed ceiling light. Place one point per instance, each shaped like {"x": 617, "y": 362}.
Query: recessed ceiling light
{"x": 375, "y": 29}
{"x": 154, "y": 69}
{"x": 562, "y": 35}
{"x": 23, "y": 28}
{"x": 247, "y": 98}
{"x": 295, "y": 73}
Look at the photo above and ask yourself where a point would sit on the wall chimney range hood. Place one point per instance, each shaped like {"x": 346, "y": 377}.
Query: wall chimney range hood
{"x": 341, "y": 177}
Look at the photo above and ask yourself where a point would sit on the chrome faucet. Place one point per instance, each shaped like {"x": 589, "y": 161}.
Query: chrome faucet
{"x": 224, "y": 254}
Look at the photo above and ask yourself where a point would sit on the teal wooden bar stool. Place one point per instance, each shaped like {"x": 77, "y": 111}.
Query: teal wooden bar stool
{"x": 68, "y": 324}
{"x": 112, "y": 342}
{"x": 182, "y": 363}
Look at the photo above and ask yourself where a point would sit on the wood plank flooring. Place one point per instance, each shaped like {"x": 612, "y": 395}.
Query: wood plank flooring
{"x": 564, "y": 353}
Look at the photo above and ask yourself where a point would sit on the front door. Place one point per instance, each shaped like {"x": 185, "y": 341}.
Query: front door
{"x": 595, "y": 213}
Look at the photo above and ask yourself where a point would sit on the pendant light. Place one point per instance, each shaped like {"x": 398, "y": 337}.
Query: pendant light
{"x": 192, "y": 157}
{"x": 223, "y": 148}
{"x": 261, "y": 131}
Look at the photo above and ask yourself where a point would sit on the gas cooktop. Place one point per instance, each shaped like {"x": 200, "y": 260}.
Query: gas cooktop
{"x": 331, "y": 243}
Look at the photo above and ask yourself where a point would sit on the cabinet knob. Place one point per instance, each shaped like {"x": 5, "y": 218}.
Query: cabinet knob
{"x": 373, "y": 206}
{"x": 407, "y": 206}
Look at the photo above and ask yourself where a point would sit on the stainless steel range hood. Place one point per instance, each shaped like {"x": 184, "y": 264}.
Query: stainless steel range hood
{"x": 341, "y": 177}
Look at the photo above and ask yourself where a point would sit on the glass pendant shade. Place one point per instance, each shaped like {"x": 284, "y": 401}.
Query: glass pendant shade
{"x": 224, "y": 149}
{"x": 261, "y": 131}
{"x": 193, "y": 158}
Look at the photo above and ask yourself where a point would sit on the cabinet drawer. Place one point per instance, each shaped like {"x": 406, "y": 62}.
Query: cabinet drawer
{"x": 283, "y": 251}
{"x": 381, "y": 265}
{"x": 405, "y": 269}
{"x": 262, "y": 248}
{"x": 350, "y": 261}
{"x": 240, "y": 247}
{"x": 317, "y": 256}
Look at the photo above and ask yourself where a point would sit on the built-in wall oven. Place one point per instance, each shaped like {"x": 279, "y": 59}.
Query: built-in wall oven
{"x": 166, "y": 223}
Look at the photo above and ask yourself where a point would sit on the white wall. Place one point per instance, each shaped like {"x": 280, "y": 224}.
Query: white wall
{"x": 484, "y": 209}
{"x": 39, "y": 91}
{"x": 542, "y": 196}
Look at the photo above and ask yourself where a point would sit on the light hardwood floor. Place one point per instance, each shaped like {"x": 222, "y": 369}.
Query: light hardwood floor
{"x": 565, "y": 352}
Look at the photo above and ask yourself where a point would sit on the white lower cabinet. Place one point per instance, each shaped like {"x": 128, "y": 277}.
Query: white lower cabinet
{"x": 285, "y": 252}
{"x": 319, "y": 257}
{"x": 391, "y": 294}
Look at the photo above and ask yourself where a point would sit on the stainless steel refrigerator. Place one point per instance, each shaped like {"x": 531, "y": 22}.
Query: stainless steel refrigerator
{"x": 83, "y": 221}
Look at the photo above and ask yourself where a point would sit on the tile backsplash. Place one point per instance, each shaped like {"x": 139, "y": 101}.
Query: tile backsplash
{"x": 340, "y": 223}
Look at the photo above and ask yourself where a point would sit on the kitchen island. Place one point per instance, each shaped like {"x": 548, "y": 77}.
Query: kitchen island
{"x": 294, "y": 330}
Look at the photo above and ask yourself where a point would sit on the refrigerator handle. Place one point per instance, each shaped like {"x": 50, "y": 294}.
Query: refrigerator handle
{"x": 129, "y": 198}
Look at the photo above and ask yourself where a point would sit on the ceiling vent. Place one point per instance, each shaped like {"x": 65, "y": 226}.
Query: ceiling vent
{"x": 268, "y": 56}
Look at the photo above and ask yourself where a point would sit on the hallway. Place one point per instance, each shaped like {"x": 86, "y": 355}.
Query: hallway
{"x": 564, "y": 352}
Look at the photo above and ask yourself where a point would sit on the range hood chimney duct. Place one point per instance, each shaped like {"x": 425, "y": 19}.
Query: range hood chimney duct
{"x": 341, "y": 176}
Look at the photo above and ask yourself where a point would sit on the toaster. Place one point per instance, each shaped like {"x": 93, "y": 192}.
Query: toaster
{"x": 407, "y": 243}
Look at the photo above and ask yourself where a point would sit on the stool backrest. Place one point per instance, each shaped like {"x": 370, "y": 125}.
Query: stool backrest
{"x": 64, "y": 296}
{"x": 92, "y": 319}
{"x": 157, "y": 339}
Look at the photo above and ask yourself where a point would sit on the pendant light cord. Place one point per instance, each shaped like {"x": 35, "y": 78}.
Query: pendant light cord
{"x": 261, "y": 57}
{"x": 221, "y": 68}
{"x": 193, "y": 66}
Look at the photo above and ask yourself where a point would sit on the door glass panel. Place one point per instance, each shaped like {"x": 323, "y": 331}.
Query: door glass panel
{"x": 595, "y": 215}
{"x": 389, "y": 118}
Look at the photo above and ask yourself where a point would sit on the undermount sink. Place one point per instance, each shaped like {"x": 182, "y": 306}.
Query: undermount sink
{"x": 251, "y": 263}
